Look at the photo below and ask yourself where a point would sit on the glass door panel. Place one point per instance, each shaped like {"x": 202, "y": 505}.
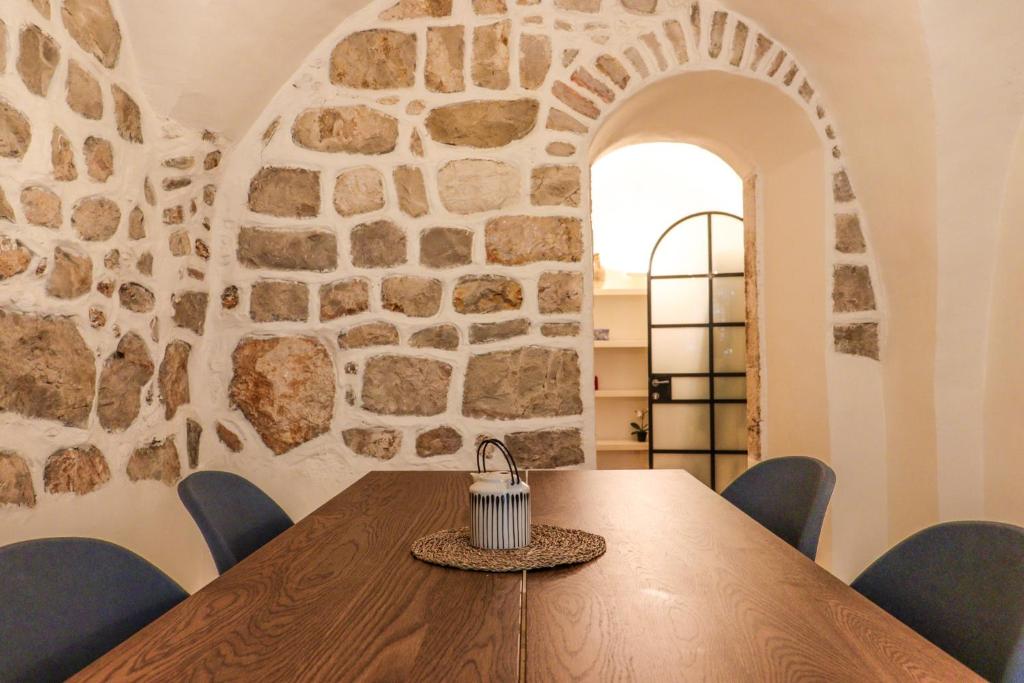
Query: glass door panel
{"x": 677, "y": 350}
{"x": 729, "y": 300}
{"x": 731, "y": 387}
{"x": 690, "y": 389}
{"x": 683, "y": 250}
{"x": 730, "y": 349}
{"x": 679, "y": 301}
{"x": 727, "y": 241}
{"x": 682, "y": 427}
{"x": 730, "y": 426}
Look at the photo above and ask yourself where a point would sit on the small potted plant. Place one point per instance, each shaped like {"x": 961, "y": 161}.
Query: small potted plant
{"x": 639, "y": 428}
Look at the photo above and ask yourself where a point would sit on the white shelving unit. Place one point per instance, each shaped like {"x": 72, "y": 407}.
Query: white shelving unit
{"x": 620, "y": 393}
{"x": 620, "y": 364}
{"x": 627, "y": 445}
{"x": 621, "y": 344}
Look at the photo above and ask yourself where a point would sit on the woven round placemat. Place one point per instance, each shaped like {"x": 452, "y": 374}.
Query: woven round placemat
{"x": 550, "y": 546}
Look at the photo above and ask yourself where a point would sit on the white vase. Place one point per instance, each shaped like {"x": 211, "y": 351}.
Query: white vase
{"x": 499, "y": 508}
{"x": 499, "y": 503}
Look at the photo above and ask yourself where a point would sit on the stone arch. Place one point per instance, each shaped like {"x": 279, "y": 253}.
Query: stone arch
{"x": 601, "y": 68}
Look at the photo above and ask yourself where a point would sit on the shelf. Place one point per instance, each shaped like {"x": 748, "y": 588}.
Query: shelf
{"x": 620, "y": 393}
{"x": 621, "y": 445}
{"x": 621, "y": 344}
{"x": 632, "y": 291}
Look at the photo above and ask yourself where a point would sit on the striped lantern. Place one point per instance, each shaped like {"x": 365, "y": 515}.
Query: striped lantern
{"x": 499, "y": 504}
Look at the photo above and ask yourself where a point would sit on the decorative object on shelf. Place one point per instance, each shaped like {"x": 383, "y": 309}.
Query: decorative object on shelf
{"x": 640, "y": 427}
{"x": 499, "y": 503}
{"x": 550, "y": 546}
{"x": 598, "y": 270}
{"x": 601, "y": 333}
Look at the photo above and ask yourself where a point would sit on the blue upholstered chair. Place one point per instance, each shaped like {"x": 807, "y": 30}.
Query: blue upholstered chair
{"x": 64, "y": 602}
{"x": 235, "y": 516}
{"x": 961, "y": 586}
{"x": 788, "y": 496}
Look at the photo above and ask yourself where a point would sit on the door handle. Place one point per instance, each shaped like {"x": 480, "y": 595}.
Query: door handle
{"x": 659, "y": 382}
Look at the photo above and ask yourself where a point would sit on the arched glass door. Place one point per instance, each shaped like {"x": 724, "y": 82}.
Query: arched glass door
{"x": 697, "y": 345}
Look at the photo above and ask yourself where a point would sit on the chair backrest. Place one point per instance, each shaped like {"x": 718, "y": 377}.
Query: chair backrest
{"x": 788, "y": 496}
{"x": 234, "y": 515}
{"x": 961, "y": 586}
{"x": 64, "y": 602}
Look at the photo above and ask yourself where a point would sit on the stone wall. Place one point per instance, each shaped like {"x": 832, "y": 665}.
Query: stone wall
{"x": 410, "y": 216}
{"x": 103, "y": 251}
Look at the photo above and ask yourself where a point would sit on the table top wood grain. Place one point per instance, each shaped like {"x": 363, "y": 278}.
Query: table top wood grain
{"x": 689, "y": 589}
{"x": 339, "y": 597}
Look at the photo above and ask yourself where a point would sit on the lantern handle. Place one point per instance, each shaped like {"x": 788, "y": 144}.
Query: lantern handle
{"x": 481, "y": 458}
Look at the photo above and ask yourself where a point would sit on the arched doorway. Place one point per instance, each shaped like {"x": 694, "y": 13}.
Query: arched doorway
{"x": 665, "y": 356}
{"x": 767, "y": 139}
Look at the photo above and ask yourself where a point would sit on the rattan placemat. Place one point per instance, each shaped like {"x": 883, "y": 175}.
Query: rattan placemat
{"x": 550, "y": 546}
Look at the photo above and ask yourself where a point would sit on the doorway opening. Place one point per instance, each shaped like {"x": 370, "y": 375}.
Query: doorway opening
{"x": 670, "y": 311}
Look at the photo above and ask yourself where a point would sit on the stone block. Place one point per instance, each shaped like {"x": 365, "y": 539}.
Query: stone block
{"x": 446, "y": 247}
{"x": 470, "y": 186}
{"x": 49, "y": 372}
{"x": 278, "y": 300}
{"x": 79, "y": 470}
{"x": 71, "y": 274}
{"x": 560, "y": 292}
{"x": 285, "y": 192}
{"x": 555, "y": 185}
{"x": 285, "y": 387}
{"x": 482, "y": 123}
{"x": 374, "y": 442}
{"x": 93, "y": 26}
{"x": 284, "y": 249}
{"x": 157, "y": 461}
{"x": 376, "y": 59}
{"x": 546, "y": 448}
{"x": 95, "y": 219}
{"x": 344, "y": 297}
{"x": 173, "y": 378}
{"x": 125, "y": 372}
{"x": 359, "y": 190}
{"x": 487, "y": 294}
{"x": 356, "y": 129}
{"x": 380, "y": 244}
{"x": 417, "y": 297}
{"x": 527, "y": 382}
{"x": 405, "y": 385}
{"x": 516, "y": 240}
{"x": 441, "y": 440}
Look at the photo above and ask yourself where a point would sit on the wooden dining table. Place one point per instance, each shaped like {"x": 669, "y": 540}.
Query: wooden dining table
{"x": 690, "y": 588}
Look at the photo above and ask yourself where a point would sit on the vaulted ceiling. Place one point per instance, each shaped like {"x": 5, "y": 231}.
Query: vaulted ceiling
{"x": 216, "y": 63}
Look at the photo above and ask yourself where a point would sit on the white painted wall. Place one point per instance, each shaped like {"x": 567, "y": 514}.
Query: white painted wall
{"x": 976, "y": 55}
{"x": 1004, "y": 429}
